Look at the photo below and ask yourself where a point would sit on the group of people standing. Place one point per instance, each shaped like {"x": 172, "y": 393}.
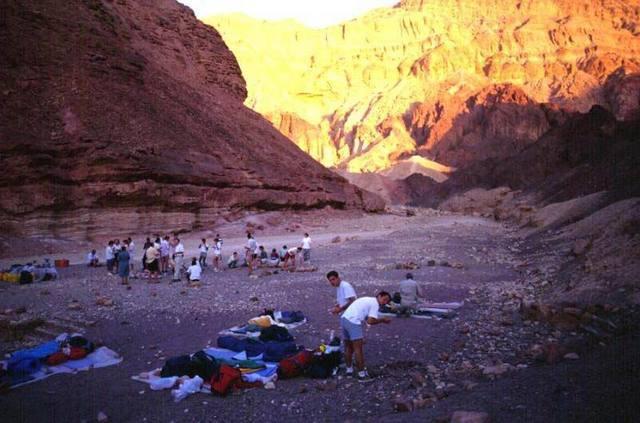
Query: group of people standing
{"x": 165, "y": 255}
{"x": 117, "y": 257}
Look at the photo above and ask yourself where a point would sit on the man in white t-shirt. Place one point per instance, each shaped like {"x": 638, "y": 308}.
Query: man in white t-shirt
{"x": 362, "y": 310}
{"x": 251, "y": 247}
{"x": 204, "y": 249}
{"x": 217, "y": 255}
{"x": 194, "y": 271}
{"x": 178, "y": 258}
{"x": 345, "y": 294}
{"x": 164, "y": 255}
{"x": 306, "y": 247}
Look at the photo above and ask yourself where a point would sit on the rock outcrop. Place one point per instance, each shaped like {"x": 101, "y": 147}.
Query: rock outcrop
{"x": 418, "y": 78}
{"x": 127, "y": 115}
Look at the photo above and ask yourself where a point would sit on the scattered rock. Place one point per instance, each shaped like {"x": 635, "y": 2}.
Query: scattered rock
{"x": 104, "y": 302}
{"x": 74, "y": 305}
{"x": 431, "y": 263}
{"x": 21, "y": 310}
{"x": 417, "y": 379}
{"x": 572, "y": 356}
{"x": 269, "y": 385}
{"x": 469, "y": 417}
{"x": 402, "y": 404}
{"x": 410, "y": 265}
{"x": 580, "y": 247}
{"x": 327, "y": 386}
{"x": 468, "y": 385}
{"x": 336, "y": 240}
{"x": 497, "y": 370}
{"x": 254, "y": 299}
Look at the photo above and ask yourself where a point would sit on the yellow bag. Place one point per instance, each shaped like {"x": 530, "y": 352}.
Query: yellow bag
{"x": 262, "y": 321}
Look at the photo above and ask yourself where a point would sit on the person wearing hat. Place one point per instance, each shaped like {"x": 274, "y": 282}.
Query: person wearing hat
{"x": 410, "y": 291}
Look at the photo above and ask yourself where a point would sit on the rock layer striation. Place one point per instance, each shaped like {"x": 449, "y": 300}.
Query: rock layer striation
{"x": 128, "y": 115}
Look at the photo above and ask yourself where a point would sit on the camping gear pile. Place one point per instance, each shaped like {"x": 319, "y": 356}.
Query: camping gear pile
{"x": 241, "y": 361}
{"x": 66, "y": 354}
{"x": 28, "y": 273}
{"x": 425, "y": 311}
{"x": 252, "y": 329}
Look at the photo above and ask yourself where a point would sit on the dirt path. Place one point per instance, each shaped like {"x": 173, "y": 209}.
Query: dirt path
{"x": 445, "y": 360}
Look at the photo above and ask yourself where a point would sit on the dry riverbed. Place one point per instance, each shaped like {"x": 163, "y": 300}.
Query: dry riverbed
{"x": 487, "y": 359}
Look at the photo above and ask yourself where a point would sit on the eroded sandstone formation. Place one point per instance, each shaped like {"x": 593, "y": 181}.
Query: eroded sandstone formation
{"x": 420, "y": 77}
{"x": 127, "y": 115}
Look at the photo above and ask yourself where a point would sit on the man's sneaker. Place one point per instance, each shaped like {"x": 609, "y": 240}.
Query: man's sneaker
{"x": 349, "y": 371}
{"x": 363, "y": 376}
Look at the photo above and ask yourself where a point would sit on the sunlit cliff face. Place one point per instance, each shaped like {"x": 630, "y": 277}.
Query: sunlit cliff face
{"x": 376, "y": 90}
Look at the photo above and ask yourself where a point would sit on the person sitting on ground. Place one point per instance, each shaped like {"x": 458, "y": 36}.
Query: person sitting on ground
{"x": 194, "y": 271}
{"x": 283, "y": 252}
{"x": 274, "y": 258}
{"x": 204, "y": 248}
{"x": 409, "y": 293}
{"x": 262, "y": 255}
{"x": 92, "y": 259}
{"x": 233, "y": 260}
{"x": 362, "y": 310}
{"x": 123, "y": 265}
{"x": 50, "y": 271}
{"x": 345, "y": 294}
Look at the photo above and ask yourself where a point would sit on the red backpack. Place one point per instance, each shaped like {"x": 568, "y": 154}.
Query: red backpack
{"x": 294, "y": 365}
{"x": 225, "y": 380}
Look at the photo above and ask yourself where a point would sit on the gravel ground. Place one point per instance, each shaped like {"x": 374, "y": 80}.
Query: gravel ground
{"x": 478, "y": 361}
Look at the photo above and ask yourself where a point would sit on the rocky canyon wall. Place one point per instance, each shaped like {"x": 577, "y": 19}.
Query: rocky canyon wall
{"x": 124, "y": 115}
{"x": 422, "y": 77}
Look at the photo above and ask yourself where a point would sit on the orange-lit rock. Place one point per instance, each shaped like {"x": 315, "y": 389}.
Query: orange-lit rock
{"x": 431, "y": 57}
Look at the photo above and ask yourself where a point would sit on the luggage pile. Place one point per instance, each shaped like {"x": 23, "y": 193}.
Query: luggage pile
{"x": 240, "y": 361}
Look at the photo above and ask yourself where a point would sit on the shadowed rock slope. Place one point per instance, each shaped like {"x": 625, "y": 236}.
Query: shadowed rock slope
{"x": 123, "y": 115}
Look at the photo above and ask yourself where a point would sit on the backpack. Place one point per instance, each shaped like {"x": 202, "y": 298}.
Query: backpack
{"x": 25, "y": 277}
{"x": 323, "y": 365}
{"x": 200, "y": 364}
{"x": 275, "y": 333}
{"x": 295, "y": 365}
{"x": 224, "y": 380}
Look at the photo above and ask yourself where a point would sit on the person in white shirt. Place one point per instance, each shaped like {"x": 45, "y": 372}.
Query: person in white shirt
{"x": 164, "y": 255}
{"x": 92, "y": 259}
{"x": 362, "y": 310}
{"x": 217, "y": 255}
{"x": 204, "y": 248}
{"x": 178, "y": 258}
{"x": 251, "y": 247}
{"x": 345, "y": 294}
{"x": 132, "y": 251}
{"x": 109, "y": 257}
{"x": 289, "y": 262}
{"x": 306, "y": 247}
{"x": 194, "y": 271}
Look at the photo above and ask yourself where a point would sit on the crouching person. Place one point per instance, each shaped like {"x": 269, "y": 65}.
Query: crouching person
{"x": 362, "y": 310}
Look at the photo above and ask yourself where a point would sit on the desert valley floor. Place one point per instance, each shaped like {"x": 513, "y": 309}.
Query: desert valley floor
{"x": 480, "y": 360}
